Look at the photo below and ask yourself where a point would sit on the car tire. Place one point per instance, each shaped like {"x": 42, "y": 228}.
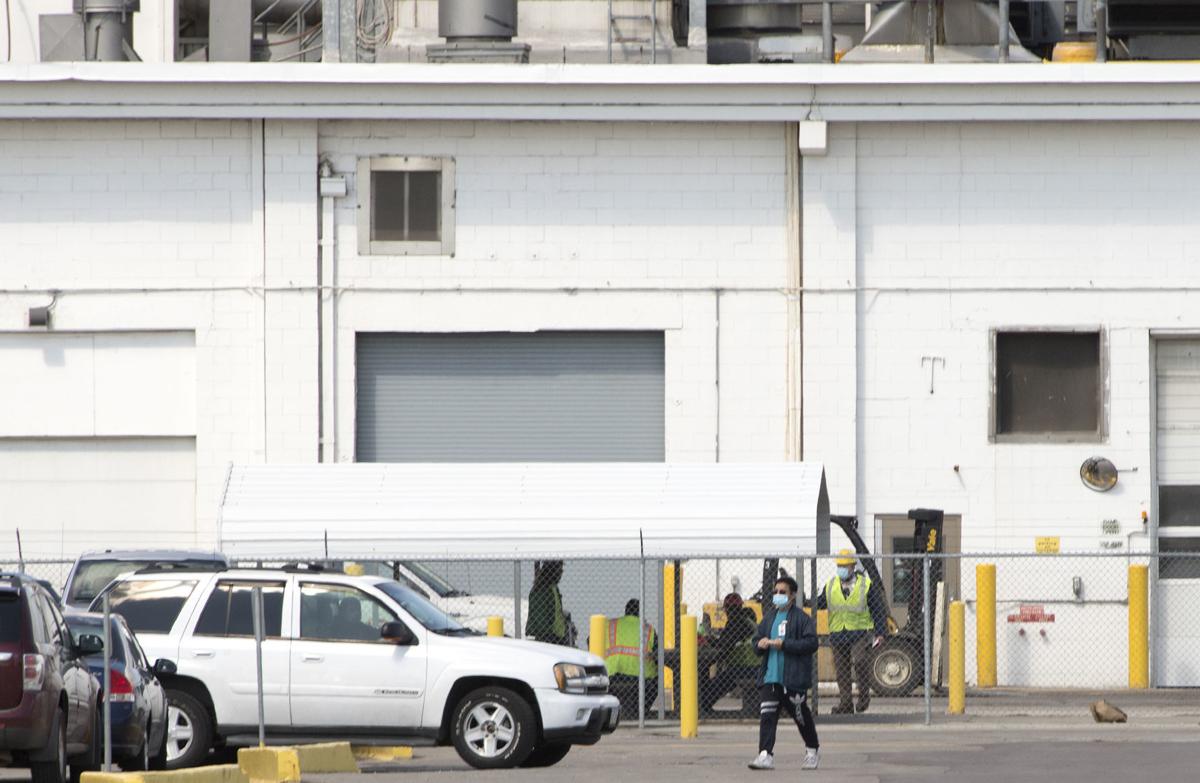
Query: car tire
{"x": 91, "y": 759}
{"x": 494, "y": 728}
{"x": 158, "y": 761}
{"x": 55, "y": 770}
{"x": 189, "y": 731}
{"x": 547, "y": 755}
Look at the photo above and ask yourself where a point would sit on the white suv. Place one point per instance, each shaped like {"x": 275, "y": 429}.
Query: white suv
{"x": 355, "y": 658}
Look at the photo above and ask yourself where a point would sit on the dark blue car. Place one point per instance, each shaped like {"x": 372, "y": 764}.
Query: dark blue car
{"x": 139, "y": 703}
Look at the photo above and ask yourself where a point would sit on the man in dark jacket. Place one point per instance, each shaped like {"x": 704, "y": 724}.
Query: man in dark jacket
{"x": 786, "y": 641}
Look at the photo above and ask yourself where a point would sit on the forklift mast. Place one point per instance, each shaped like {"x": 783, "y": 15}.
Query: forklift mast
{"x": 927, "y": 538}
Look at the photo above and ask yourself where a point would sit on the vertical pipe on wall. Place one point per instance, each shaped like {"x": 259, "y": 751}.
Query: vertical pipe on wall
{"x": 1004, "y": 42}
{"x": 793, "y": 448}
{"x": 827, "y": 54}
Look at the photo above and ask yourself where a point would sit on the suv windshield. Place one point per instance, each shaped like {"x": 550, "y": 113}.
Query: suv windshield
{"x": 440, "y": 586}
{"x": 426, "y": 613}
{"x": 92, "y": 576}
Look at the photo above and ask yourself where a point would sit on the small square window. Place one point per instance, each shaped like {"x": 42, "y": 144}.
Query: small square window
{"x": 406, "y": 206}
{"x": 1048, "y": 386}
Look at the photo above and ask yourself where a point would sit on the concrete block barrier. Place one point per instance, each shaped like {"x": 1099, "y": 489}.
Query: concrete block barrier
{"x": 382, "y": 752}
{"x": 222, "y": 773}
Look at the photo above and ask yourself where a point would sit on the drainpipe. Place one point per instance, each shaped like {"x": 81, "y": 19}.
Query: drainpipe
{"x": 331, "y": 187}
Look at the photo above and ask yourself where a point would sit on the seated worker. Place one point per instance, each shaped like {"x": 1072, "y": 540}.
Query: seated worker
{"x": 622, "y": 660}
{"x": 735, "y": 662}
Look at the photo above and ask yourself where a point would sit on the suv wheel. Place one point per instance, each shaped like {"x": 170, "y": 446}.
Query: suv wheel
{"x": 494, "y": 728}
{"x": 189, "y": 731}
{"x": 54, "y": 770}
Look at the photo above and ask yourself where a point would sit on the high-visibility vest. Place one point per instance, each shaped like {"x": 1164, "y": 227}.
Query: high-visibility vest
{"x": 849, "y": 612}
{"x": 623, "y": 648}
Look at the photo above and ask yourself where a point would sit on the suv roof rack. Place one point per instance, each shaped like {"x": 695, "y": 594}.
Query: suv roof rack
{"x": 174, "y": 565}
{"x": 310, "y": 567}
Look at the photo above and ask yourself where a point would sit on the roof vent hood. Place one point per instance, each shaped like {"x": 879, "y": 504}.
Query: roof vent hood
{"x": 964, "y": 30}
{"x": 478, "y": 31}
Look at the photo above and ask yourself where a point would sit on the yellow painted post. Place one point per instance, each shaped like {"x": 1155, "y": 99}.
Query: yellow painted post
{"x": 958, "y": 658}
{"x": 668, "y": 631}
{"x": 1139, "y": 626}
{"x": 495, "y": 626}
{"x": 689, "y": 698}
{"x": 985, "y": 624}
{"x": 598, "y": 638}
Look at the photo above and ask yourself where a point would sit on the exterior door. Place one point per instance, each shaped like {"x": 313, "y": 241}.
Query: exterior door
{"x": 1177, "y": 461}
{"x": 344, "y": 676}
{"x": 220, "y": 652}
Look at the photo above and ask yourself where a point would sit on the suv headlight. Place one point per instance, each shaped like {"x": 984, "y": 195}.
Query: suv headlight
{"x": 573, "y": 678}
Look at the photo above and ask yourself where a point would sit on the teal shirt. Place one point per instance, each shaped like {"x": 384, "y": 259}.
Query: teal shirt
{"x": 774, "y": 675}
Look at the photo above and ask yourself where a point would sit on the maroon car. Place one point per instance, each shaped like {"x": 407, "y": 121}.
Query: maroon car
{"x": 49, "y": 720}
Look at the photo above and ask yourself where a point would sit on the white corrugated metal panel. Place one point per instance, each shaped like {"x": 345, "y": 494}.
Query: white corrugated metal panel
{"x": 507, "y": 510}
{"x": 1178, "y": 381}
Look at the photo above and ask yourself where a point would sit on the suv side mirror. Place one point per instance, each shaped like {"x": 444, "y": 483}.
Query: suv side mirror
{"x": 163, "y": 666}
{"x": 89, "y": 644}
{"x": 397, "y": 633}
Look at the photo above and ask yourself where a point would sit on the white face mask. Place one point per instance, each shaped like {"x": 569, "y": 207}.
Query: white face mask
{"x": 780, "y": 601}
{"x": 844, "y": 572}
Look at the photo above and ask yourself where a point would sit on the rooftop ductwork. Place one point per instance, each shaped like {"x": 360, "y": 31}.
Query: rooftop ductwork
{"x": 98, "y": 30}
{"x": 478, "y": 31}
{"x": 961, "y": 31}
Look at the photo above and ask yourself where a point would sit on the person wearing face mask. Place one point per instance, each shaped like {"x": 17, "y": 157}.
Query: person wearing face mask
{"x": 857, "y": 624}
{"x": 785, "y": 641}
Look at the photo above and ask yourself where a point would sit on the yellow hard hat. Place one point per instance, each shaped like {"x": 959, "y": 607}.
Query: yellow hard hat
{"x": 845, "y": 558}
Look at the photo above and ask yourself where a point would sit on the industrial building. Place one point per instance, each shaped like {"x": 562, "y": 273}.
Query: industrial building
{"x": 293, "y": 262}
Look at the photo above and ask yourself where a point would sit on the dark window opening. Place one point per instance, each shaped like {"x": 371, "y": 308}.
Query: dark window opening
{"x": 229, "y": 612}
{"x": 1048, "y": 382}
{"x": 405, "y": 206}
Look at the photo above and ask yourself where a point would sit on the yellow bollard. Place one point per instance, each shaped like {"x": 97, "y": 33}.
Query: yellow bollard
{"x": 985, "y": 624}
{"x": 1139, "y": 627}
{"x": 958, "y": 658}
{"x": 689, "y": 687}
{"x": 495, "y": 626}
{"x": 668, "y": 631}
{"x": 598, "y": 637}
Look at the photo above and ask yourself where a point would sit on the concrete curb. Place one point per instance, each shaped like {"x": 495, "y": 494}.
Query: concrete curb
{"x": 255, "y": 765}
{"x": 223, "y": 773}
{"x": 382, "y": 753}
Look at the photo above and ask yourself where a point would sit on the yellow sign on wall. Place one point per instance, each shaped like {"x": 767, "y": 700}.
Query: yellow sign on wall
{"x": 1046, "y": 545}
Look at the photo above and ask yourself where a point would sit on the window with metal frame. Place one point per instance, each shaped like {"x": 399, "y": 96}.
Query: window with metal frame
{"x": 405, "y": 206}
{"x": 339, "y": 613}
{"x": 228, "y": 610}
{"x": 1048, "y": 386}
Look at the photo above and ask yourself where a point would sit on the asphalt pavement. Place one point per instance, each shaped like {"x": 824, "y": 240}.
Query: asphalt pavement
{"x": 973, "y": 751}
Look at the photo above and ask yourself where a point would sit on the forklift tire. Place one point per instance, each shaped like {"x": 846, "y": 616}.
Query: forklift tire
{"x": 897, "y": 667}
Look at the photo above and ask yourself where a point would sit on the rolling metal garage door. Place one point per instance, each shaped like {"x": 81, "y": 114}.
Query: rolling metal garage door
{"x": 500, "y": 397}
{"x": 1177, "y": 633}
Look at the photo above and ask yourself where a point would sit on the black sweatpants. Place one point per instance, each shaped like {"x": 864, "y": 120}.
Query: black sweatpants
{"x": 772, "y": 700}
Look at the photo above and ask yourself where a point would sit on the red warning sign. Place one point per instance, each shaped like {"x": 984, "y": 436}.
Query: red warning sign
{"x": 1031, "y": 613}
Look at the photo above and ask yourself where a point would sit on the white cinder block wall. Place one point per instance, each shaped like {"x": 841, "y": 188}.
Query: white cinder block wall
{"x": 211, "y": 228}
{"x": 929, "y": 236}
{"x": 596, "y": 226}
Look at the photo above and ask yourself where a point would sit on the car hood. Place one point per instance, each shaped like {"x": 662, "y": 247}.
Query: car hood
{"x": 502, "y": 648}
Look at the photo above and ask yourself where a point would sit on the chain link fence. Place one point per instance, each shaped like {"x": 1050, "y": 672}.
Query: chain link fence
{"x": 1062, "y": 628}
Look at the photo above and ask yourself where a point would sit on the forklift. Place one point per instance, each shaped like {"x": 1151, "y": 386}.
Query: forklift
{"x": 898, "y": 665}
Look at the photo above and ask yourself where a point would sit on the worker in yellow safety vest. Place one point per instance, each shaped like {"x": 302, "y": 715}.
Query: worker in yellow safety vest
{"x": 857, "y": 624}
{"x": 625, "y": 635}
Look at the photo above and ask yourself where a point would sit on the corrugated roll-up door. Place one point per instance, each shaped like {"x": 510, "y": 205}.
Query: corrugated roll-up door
{"x": 1177, "y": 636}
{"x": 520, "y": 397}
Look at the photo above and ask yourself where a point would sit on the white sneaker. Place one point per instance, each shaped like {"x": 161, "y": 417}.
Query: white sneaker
{"x": 812, "y": 757}
{"x": 764, "y": 761}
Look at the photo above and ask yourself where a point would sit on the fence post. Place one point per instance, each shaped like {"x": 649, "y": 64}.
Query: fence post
{"x": 641, "y": 696}
{"x": 985, "y": 624}
{"x": 928, "y": 637}
{"x": 517, "y": 633}
{"x": 1139, "y": 627}
{"x": 495, "y": 626}
{"x": 598, "y": 636}
{"x": 958, "y": 659}
{"x": 689, "y": 707}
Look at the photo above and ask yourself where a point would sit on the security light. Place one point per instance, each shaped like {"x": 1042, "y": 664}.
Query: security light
{"x": 1098, "y": 474}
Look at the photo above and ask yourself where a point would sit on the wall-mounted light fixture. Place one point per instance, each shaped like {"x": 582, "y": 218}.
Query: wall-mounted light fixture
{"x": 42, "y": 316}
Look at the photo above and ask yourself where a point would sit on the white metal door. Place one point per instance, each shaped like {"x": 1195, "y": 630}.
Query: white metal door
{"x": 344, "y": 676}
{"x": 1177, "y": 634}
{"x": 218, "y": 649}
